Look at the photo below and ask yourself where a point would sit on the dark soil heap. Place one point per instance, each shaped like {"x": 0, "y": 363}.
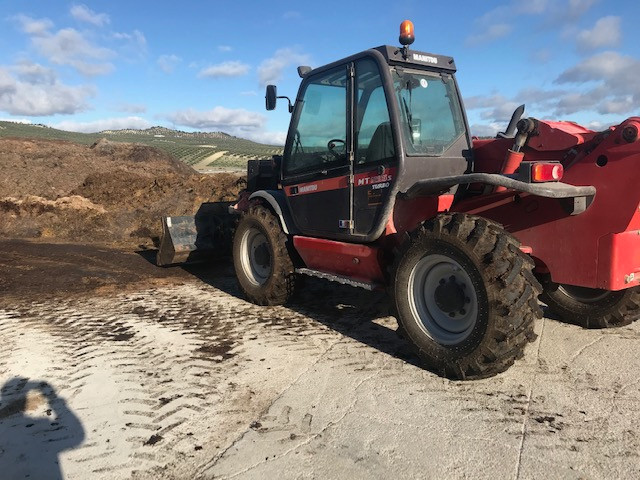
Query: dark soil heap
{"x": 109, "y": 193}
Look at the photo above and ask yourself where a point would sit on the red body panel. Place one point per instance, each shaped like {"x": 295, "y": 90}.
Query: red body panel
{"x": 583, "y": 249}
{"x": 619, "y": 260}
{"x": 353, "y": 260}
{"x": 408, "y": 214}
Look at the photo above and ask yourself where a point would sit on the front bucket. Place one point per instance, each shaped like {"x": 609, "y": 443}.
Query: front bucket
{"x": 192, "y": 239}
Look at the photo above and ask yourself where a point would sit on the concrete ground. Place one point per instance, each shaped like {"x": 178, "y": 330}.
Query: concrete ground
{"x": 187, "y": 380}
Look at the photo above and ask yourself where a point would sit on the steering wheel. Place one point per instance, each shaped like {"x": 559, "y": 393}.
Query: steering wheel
{"x": 332, "y": 144}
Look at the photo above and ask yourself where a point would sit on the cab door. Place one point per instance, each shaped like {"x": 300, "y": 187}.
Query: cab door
{"x": 375, "y": 159}
{"x": 316, "y": 163}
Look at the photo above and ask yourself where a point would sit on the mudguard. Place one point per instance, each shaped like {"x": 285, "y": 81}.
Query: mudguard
{"x": 276, "y": 199}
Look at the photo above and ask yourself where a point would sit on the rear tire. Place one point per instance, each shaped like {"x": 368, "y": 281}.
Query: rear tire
{"x": 465, "y": 296}
{"x": 261, "y": 260}
{"x": 592, "y": 307}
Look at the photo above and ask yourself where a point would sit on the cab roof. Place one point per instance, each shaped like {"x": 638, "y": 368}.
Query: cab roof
{"x": 396, "y": 56}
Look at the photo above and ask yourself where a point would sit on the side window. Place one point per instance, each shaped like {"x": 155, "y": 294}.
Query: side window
{"x": 374, "y": 137}
{"x": 320, "y": 138}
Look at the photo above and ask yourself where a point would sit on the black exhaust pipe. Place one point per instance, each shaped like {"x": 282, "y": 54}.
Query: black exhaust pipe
{"x": 510, "y": 132}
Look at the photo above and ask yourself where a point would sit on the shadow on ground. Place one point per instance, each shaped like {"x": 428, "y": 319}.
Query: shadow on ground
{"x": 35, "y": 426}
{"x": 347, "y": 310}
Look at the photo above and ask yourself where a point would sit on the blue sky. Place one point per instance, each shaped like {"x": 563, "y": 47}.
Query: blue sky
{"x": 202, "y": 65}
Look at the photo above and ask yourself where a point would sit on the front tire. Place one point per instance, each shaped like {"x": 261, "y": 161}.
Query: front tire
{"x": 592, "y": 307}
{"x": 261, "y": 260}
{"x": 465, "y": 296}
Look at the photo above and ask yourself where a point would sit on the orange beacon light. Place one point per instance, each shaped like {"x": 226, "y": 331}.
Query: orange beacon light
{"x": 406, "y": 33}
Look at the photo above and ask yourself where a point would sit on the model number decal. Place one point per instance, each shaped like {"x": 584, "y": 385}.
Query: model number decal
{"x": 378, "y": 186}
{"x": 377, "y": 179}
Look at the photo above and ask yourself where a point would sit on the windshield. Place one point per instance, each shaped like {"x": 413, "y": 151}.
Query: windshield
{"x": 430, "y": 111}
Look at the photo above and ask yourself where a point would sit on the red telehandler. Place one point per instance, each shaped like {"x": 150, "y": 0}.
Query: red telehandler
{"x": 381, "y": 186}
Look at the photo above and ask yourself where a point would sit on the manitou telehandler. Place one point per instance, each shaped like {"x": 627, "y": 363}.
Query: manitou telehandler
{"x": 381, "y": 186}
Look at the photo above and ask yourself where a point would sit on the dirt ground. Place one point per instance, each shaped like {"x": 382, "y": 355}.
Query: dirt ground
{"x": 114, "y": 368}
{"x": 111, "y": 194}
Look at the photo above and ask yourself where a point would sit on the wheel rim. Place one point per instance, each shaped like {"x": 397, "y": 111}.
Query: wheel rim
{"x": 443, "y": 299}
{"x": 256, "y": 256}
{"x": 584, "y": 294}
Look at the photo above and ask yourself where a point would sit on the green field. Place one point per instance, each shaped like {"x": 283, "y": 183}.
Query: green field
{"x": 190, "y": 147}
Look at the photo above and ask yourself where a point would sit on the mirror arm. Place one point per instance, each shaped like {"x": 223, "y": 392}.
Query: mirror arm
{"x": 290, "y": 105}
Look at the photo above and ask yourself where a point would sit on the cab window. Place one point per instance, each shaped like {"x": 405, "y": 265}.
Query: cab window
{"x": 319, "y": 139}
{"x": 374, "y": 138}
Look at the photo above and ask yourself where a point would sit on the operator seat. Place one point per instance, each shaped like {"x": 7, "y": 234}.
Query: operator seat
{"x": 381, "y": 145}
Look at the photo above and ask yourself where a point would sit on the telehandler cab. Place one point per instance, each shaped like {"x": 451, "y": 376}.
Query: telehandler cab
{"x": 381, "y": 186}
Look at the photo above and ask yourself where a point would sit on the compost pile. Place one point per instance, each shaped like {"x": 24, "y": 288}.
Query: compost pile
{"x": 109, "y": 193}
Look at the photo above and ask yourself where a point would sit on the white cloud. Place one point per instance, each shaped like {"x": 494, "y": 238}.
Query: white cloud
{"x": 495, "y": 108}
{"x": 82, "y": 13}
{"x": 597, "y": 126}
{"x": 37, "y": 92}
{"x": 270, "y": 138}
{"x": 619, "y": 72}
{"x": 486, "y": 130}
{"x": 132, "y": 108}
{"x": 225, "y": 69}
{"x": 238, "y": 122}
{"x": 32, "y": 26}
{"x": 168, "y": 63}
{"x": 270, "y": 70}
{"x": 135, "y": 43}
{"x": 500, "y": 21}
{"x": 218, "y": 118}
{"x": 34, "y": 73}
{"x": 224, "y": 48}
{"x": 531, "y": 7}
{"x": 136, "y": 36}
{"x": 605, "y": 83}
{"x": 576, "y": 8}
{"x": 17, "y": 120}
{"x": 605, "y": 33}
{"x": 614, "y": 81}
{"x": 67, "y": 47}
{"x": 491, "y": 33}
{"x": 137, "y": 123}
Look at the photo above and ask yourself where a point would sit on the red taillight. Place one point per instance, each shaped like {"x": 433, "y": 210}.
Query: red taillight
{"x": 546, "y": 172}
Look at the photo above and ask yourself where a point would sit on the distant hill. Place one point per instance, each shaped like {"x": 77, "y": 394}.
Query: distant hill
{"x": 167, "y": 132}
{"x": 204, "y": 150}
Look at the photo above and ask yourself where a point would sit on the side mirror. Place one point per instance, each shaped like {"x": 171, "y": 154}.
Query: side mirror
{"x": 270, "y": 97}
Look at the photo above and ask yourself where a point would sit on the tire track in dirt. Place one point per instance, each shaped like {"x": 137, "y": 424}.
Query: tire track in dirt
{"x": 155, "y": 365}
